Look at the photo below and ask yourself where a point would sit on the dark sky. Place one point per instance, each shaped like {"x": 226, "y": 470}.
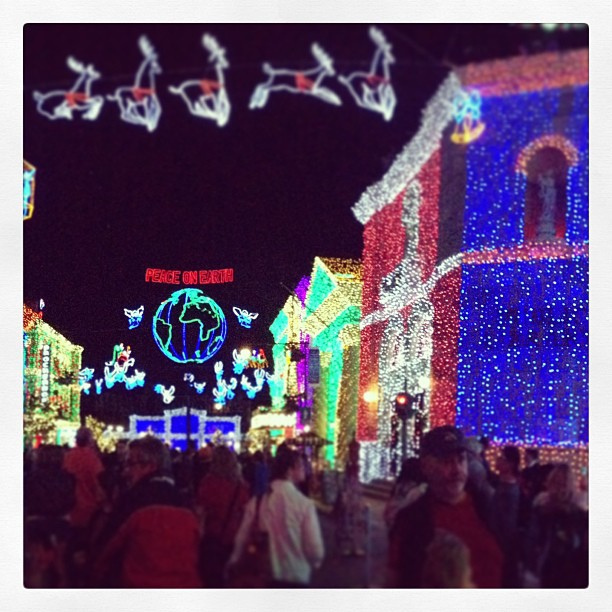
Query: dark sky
{"x": 264, "y": 195}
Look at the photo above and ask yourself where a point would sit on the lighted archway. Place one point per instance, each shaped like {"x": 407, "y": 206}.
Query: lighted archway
{"x": 545, "y": 163}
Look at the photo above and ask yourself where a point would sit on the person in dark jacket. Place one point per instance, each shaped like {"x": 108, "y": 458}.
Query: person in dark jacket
{"x": 49, "y": 497}
{"x": 447, "y": 504}
{"x": 559, "y": 533}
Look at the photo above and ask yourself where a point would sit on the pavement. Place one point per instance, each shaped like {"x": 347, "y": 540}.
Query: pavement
{"x": 352, "y": 572}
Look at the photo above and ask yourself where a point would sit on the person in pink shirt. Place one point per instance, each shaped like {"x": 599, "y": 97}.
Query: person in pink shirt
{"x": 85, "y": 465}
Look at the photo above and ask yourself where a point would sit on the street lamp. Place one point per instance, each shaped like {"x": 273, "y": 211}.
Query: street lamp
{"x": 371, "y": 396}
{"x": 403, "y": 409}
{"x": 411, "y": 406}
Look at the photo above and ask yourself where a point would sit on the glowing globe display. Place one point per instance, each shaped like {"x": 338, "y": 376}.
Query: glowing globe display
{"x": 189, "y": 326}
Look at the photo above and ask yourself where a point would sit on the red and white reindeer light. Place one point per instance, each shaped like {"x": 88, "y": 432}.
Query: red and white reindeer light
{"x": 207, "y": 98}
{"x": 62, "y": 104}
{"x": 139, "y": 103}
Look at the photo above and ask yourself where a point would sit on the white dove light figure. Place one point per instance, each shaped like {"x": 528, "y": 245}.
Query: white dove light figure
{"x": 61, "y": 104}
{"x": 245, "y": 318}
{"x": 373, "y": 90}
{"x": 296, "y": 81}
{"x": 208, "y": 98}
{"x": 139, "y": 103}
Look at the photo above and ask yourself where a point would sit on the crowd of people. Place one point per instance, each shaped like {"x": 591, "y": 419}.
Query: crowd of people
{"x": 148, "y": 516}
{"x": 454, "y": 522}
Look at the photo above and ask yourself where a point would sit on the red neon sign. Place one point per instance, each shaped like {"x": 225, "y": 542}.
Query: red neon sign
{"x": 189, "y": 277}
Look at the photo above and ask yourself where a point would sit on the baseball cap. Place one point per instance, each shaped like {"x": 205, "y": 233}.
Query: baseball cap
{"x": 443, "y": 441}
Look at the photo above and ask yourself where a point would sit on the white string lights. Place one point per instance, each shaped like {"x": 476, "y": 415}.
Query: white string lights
{"x": 437, "y": 115}
{"x": 252, "y": 390}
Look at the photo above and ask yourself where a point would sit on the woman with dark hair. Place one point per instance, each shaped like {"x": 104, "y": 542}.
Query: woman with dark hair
{"x": 559, "y": 533}
{"x": 408, "y": 487}
{"x": 505, "y": 513}
{"x": 291, "y": 522}
{"x": 221, "y": 497}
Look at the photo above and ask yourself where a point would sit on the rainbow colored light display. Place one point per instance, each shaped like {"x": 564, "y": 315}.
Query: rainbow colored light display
{"x": 323, "y": 314}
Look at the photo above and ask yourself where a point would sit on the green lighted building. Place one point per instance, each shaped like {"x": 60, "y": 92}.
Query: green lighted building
{"x": 51, "y": 392}
{"x": 316, "y": 353}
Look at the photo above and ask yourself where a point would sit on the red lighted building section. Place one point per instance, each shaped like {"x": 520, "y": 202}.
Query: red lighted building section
{"x": 383, "y": 250}
{"x": 429, "y": 178}
{"x": 446, "y": 301}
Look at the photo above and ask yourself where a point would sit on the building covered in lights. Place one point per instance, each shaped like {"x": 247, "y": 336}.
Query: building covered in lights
{"x": 52, "y": 396}
{"x": 316, "y": 353}
{"x": 475, "y": 264}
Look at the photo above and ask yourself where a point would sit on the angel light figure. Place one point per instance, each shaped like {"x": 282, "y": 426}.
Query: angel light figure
{"x": 208, "y": 98}
{"x": 245, "y": 318}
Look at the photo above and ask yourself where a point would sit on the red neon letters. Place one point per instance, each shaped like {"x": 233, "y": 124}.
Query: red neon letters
{"x": 189, "y": 277}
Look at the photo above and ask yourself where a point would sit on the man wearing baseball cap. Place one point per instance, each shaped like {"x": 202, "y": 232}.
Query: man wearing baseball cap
{"x": 449, "y": 504}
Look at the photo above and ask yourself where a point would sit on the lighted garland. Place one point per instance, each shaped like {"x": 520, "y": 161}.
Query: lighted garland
{"x": 555, "y": 141}
{"x": 524, "y": 74}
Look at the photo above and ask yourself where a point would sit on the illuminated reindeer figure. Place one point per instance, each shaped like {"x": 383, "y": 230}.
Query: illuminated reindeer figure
{"x": 296, "y": 81}
{"x": 59, "y": 104}
{"x": 139, "y": 103}
{"x": 208, "y": 98}
{"x": 372, "y": 90}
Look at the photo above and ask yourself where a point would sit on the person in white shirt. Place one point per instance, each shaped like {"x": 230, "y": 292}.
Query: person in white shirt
{"x": 290, "y": 518}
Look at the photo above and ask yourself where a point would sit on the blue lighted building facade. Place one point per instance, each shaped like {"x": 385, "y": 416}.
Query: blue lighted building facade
{"x": 523, "y": 316}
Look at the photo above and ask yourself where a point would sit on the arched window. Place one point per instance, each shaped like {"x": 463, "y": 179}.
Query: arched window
{"x": 545, "y": 163}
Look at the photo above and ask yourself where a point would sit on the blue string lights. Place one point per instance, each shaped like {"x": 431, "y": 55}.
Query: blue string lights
{"x": 523, "y": 352}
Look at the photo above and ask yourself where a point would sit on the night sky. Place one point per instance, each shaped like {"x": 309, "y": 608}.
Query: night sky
{"x": 263, "y": 195}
